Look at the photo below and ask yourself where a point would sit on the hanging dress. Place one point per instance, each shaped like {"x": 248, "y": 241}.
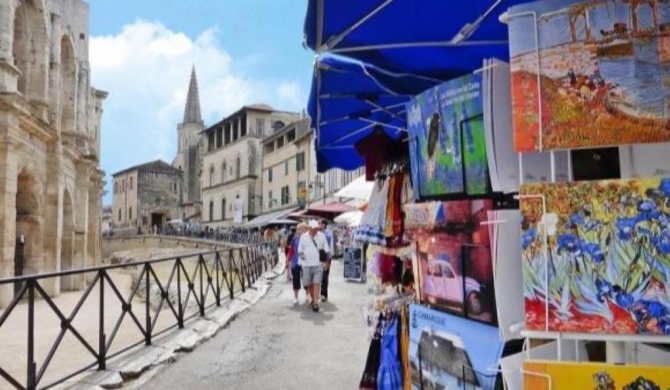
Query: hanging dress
{"x": 371, "y": 229}
{"x": 390, "y": 370}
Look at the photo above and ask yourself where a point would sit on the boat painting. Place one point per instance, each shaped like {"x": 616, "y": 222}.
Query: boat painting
{"x": 603, "y": 76}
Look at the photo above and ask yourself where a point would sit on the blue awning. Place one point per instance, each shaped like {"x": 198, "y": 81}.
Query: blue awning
{"x": 348, "y": 99}
{"x": 439, "y": 39}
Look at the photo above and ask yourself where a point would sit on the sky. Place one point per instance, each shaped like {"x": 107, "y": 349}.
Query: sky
{"x": 142, "y": 51}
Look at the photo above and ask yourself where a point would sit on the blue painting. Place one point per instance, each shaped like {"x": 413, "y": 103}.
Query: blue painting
{"x": 438, "y": 121}
{"x": 450, "y": 352}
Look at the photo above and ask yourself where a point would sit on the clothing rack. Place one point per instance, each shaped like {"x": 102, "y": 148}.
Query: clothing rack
{"x": 392, "y": 167}
{"x": 395, "y": 303}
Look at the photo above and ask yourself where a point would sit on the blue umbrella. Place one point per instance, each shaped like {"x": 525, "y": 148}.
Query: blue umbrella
{"x": 348, "y": 99}
{"x": 439, "y": 39}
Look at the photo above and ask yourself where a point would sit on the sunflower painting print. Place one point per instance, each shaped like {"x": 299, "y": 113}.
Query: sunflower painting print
{"x": 598, "y": 258}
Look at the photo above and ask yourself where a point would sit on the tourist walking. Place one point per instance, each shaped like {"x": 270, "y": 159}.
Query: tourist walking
{"x": 326, "y": 266}
{"x": 294, "y": 260}
{"x": 313, "y": 251}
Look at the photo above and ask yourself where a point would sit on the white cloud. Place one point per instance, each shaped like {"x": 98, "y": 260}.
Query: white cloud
{"x": 146, "y": 69}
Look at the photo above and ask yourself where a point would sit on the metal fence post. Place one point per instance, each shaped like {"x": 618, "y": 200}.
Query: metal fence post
{"x": 180, "y": 320}
{"x": 201, "y": 263}
{"x": 102, "y": 337}
{"x": 147, "y": 307}
{"x": 217, "y": 291}
{"x": 32, "y": 379}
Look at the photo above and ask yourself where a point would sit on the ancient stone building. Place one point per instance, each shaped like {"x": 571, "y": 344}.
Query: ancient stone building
{"x": 50, "y": 181}
{"x": 189, "y": 154}
{"x": 233, "y": 164}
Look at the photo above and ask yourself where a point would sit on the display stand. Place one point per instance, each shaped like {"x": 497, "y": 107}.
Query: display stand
{"x": 353, "y": 264}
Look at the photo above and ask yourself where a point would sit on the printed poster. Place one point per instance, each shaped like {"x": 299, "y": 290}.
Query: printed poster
{"x": 444, "y": 123}
{"x": 454, "y": 261}
{"x": 606, "y": 256}
{"x": 449, "y": 352}
{"x": 603, "y": 76}
{"x": 545, "y": 375}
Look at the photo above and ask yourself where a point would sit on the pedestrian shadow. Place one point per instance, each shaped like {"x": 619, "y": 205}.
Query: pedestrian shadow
{"x": 320, "y": 318}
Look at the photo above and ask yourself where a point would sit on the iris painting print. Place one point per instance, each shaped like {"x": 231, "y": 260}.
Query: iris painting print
{"x": 604, "y": 73}
{"x": 607, "y": 256}
{"x": 442, "y": 122}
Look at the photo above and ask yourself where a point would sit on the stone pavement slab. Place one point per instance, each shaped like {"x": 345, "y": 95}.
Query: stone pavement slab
{"x": 278, "y": 345}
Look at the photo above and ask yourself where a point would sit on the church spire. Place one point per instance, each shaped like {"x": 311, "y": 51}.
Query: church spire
{"x": 192, "y": 110}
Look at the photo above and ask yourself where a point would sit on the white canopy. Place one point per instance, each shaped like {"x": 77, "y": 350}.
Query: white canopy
{"x": 350, "y": 218}
{"x": 357, "y": 189}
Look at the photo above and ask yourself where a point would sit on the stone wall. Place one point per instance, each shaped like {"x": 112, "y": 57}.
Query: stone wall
{"x": 110, "y": 245}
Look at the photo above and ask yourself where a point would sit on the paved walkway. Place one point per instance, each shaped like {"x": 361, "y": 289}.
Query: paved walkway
{"x": 276, "y": 345}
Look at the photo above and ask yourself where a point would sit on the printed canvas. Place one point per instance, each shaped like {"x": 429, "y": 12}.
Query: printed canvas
{"x": 448, "y": 352}
{"x": 441, "y": 121}
{"x": 603, "y": 75}
{"x": 541, "y": 375}
{"x": 454, "y": 260}
{"x": 605, "y": 264}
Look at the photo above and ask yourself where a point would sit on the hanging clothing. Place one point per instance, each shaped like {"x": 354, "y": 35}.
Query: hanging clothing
{"x": 390, "y": 370}
{"x": 369, "y": 379}
{"x": 372, "y": 224}
{"x": 376, "y": 149}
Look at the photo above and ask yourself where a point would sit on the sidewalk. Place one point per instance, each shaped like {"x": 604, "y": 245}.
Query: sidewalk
{"x": 276, "y": 345}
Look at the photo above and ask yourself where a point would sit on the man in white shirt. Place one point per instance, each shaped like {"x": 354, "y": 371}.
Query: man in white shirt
{"x": 309, "y": 246}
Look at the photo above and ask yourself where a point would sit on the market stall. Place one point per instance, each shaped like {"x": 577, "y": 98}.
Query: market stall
{"x": 517, "y": 227}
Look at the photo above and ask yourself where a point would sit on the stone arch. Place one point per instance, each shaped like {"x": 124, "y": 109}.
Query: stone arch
{"x": 68, "y": 84}
{"x": 67, "y": 240}
{"x": 29, "y": 48}
{"x": 29, "y": 222}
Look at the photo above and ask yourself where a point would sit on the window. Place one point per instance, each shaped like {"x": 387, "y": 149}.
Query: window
{"x": 300, "y": 162}
{"x": 278, "y": 125}
{"x": 211, "y": 210}
{"x": 270, "y": 175}
{"x": 285, "y": 196}
{"x": 211, "y": 176}
{"x": 219, "y": 137}
{"x": 223, "y": 172}
{"x": 119, "y": 215}
{"x": 286, "y": 168}
{"x": 260, "y": 126}
{"x": 243, "y": 127}
{"x": 227, "y": 133}
{"x": 223, "y": 209}
{"x": 116, "y": 187}
{"x": 280, "y": 142}
{"x": 131, "y": 183}
{"x": 290, "y": 137}
{"x": 144, "y": 220}
{"x": 238, "y": 167}
{"x": 235, "y": 129}
{"x": 130, "y": 213}
{"x": 210, "y": 141}
{"x": 270, "y": 199}
{"x": 123, "y": 185}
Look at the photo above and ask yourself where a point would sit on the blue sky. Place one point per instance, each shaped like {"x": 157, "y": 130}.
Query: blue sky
{"x": 141, "y": 52}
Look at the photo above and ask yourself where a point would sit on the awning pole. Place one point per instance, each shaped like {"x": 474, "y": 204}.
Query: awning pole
{"x": 410, "y": 45}
{"x": 333, "y": 41}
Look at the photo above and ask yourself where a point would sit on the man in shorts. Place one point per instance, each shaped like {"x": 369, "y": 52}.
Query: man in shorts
{"x": 309, "y": 246}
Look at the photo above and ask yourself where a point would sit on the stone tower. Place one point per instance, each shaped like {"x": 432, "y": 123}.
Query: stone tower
{"x": 189, "y": 152}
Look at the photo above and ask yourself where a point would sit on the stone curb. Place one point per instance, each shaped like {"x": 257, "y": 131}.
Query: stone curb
{"x": 167, "y": 348}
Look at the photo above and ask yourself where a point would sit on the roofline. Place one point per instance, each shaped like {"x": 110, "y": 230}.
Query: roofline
{"x": 286, "y": 129}
{"x": 139, "y": 166}
{"x": 246, "y": 108}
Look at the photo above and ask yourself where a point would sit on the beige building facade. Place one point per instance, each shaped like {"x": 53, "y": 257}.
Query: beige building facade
{"x": 145, "y": 196}
{"x": 51, "y": 183}
{"x": 286, "y": 167}
{"x": 232, "y": 164}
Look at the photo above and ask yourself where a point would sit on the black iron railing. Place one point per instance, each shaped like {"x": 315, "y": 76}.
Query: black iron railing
{"x": 214, "y": 277}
